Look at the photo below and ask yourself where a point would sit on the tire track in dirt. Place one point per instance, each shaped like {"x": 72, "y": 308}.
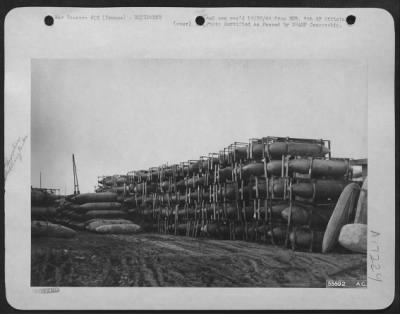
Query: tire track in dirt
{"x": 254, "y": 264}
{"x": 221, "y": 270}
{"x": 199, "y": 248}
{"x": 134, "y": 274}
{"x": 301, "y": 271}
{"x": 147, "y": 274}
{"x": 153, "y": 277}
{"x": 348, "y": 272}
{"x": 176, "y": 248}
{"x": 159, "y": 272}
{"x": 318, "y": 267}
{"x": 176, "y": 278}
{"x": 106, "y": 274}
{"x": 124, "y": 275}
{"x": 322, "y": 259}
{"x": 139, "y": 263}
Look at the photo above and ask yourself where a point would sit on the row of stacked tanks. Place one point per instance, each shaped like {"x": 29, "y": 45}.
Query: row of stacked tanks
{"x": 278, "y": 190}
{"x": 45, "y": 206}
{"x": 58, "y": 216}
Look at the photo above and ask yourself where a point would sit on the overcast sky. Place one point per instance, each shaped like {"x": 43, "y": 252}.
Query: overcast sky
{"x": 121, "y": 115}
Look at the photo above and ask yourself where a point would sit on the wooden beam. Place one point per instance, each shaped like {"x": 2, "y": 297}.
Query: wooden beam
{"x": 359, "y": 162}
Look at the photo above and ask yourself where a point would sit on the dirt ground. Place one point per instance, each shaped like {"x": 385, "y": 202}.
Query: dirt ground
{"x": 166, "y": 260}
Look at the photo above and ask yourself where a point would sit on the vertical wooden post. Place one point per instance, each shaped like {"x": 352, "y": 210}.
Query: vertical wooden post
{"x": 289, "y": 217}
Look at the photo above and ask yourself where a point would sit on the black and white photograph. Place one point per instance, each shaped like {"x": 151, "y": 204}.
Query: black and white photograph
{"x": 170, "y": 173}
{"x": 239, "y": 156}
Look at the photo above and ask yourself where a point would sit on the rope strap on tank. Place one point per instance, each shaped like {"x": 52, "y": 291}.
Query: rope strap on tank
{"x": 311, "y": 167}
{"x": 294, "y": 241}
{"x": 314, "y": 185}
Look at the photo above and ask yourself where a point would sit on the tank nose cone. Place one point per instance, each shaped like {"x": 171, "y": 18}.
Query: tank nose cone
{"x": 285, "y": 214}
{"x": 325, "y": 150}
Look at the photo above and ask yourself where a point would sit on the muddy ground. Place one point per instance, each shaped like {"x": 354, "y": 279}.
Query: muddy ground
{"x": 167, "y": 260}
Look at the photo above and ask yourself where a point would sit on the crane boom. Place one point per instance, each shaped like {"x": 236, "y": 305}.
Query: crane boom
{"x": 76, "y": 184}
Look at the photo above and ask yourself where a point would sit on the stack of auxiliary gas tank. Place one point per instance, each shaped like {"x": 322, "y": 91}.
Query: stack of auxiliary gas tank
{"x": 271, "y": 189}
{"x": 45, "y": 206}
{"x": 44, "y": 203}
{"x": 313, "y": 184}
{"x": 263, "y": 179}
{"x": 115, "y": 183}
{"x": 239, "y": 199}
{"x": 161, "y": 197}
{"x": 82, "y": 209}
